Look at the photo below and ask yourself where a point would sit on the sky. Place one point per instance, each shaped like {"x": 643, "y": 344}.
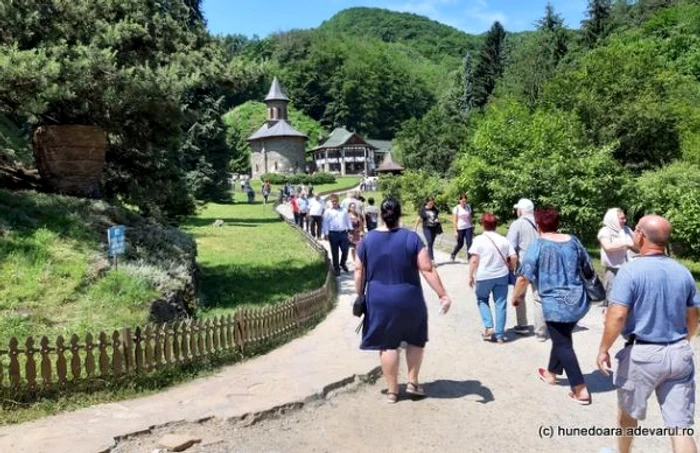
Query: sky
{"x": 263, "y": 17}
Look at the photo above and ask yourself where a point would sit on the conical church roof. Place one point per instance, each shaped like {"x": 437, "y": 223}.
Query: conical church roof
{"x": 276, "y": 93}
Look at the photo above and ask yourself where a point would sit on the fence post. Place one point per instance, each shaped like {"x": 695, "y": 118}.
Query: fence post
{"x": 45, "y": 362}
{"x": 75, "y": 357}
{"x": 128, "y": 350}
{"x": 30, "y": 366}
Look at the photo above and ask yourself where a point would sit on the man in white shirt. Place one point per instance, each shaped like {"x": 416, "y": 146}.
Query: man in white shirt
{"x": 316, "y": 208}
{"x": 336, "y": 224}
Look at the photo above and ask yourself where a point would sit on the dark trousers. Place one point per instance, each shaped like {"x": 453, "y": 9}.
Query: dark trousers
{"x": 296, "y": 218}
{"x": 316, "y": 222}
{"x": 302, "y": 221}
{"x": 429, "y": 233}
{"x": 563, "y": 358}
{"x": 339, "y": 243}
{"x": 463, "y": 236}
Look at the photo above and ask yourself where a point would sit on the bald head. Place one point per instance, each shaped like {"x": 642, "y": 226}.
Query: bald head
{"x": 656, "y": 229}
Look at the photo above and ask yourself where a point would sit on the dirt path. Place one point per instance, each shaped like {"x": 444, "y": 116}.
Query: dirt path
{"x": 482, "y": 397}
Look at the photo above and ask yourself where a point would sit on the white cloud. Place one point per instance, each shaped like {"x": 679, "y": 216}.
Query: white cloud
{"x": 473, "y": 16}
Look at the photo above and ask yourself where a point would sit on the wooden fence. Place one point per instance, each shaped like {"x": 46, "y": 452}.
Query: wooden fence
{"x": 34, "y": 368}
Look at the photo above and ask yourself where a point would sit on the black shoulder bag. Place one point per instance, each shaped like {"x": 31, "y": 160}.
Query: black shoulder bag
{"x": 359, "y": 307}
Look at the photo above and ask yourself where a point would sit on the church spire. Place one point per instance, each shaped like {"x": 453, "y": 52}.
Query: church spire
{"x": 276, "y": 102}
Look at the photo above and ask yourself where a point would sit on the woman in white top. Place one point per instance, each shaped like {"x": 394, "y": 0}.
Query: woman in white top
{"x": 462, "y": 225}
{"x": 492, "y": 259}
{"x": 616, "y": 245}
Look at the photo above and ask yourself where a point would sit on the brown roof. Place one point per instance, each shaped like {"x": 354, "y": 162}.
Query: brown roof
{"x": 388, "y": 164}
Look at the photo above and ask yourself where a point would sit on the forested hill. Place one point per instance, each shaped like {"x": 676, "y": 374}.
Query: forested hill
{"x": 432, "y": 39}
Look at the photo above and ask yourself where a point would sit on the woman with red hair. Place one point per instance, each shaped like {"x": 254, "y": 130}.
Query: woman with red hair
{"x": 492, "y": 259}
{"x": 552, "y": 263}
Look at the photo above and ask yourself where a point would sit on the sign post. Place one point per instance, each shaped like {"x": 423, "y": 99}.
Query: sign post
{"x": 115, "y": 239}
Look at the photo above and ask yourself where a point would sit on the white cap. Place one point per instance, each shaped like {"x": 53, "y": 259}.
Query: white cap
{"x": 524, "y": 205}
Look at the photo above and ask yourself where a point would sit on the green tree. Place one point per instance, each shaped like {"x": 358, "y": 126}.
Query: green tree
{"x": 467, "y": 101}
{"x": 597, "y": 25}
{"x": 128, "y": 67}
{"x": 489, "y": 66}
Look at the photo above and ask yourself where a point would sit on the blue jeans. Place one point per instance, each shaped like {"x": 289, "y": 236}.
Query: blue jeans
{"x": 499, "y": 288}
{"x": 429, "y": 233}
{"x": 463, "y": 236}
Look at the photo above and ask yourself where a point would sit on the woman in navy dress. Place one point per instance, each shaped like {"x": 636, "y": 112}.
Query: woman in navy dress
{"x": 394, "y": 258}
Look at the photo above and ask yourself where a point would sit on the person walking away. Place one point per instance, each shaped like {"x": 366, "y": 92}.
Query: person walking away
{"x": 492, "y": 258}
{"x": 371, "y": 214}
{"x": 316, "y": 206}
{"x": 615, "y": 240}
{"x": 266, "y": 189}
{"x": 521, "y": 233}
{"x": 303, "y": 203}
{"x": 654, "y": 304}
{"x": 392, "y": 259}
{"x": 553, "y": 262}
{"x": 428, "y": 216}
{"x": 357, "y": 231}
{"x": 462, "y": 226}
{"x": 295, "y": 208}
{"x": 336, "y": 224}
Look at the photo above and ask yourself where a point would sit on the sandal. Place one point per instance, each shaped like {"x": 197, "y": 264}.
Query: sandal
{"x": 487, "y": 334}
{"x": 392, "y": 397}
{"x": 542, "y": 373}
{"x": 581, "y": 401}
{"x": 415, "y": 389}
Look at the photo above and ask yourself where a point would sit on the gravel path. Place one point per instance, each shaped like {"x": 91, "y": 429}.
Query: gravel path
{"x": 481, "y": 397}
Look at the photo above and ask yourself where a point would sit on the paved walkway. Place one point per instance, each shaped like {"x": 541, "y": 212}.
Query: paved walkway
{"x": 294, "y": 372}
{"x": 483, "y": 397}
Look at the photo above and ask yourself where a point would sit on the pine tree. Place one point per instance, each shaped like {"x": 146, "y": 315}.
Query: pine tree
{"x": 597, "y": 26}
{"x": 467, "y": 101}
{"x": 490, "y": 65}
{"x": 553, "y": 37}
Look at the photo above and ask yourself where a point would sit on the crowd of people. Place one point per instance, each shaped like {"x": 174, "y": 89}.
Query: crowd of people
{"x": 651, "y": 298}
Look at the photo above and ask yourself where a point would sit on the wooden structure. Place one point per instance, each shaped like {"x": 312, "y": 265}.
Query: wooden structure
{"x": 345, "y": 153}
{"x": 390, "y": 166}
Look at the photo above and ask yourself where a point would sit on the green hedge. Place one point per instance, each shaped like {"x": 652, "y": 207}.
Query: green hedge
{"x": 299, "y": 178}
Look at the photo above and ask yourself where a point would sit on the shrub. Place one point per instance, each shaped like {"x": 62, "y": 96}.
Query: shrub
{"x": 299, "y": 178}
{"x": 390, "y": 185}
{"x": 674, "y": 192}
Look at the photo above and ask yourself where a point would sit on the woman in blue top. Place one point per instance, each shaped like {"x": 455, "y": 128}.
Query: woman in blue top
{"x": 553, "y": 262}
{"x": 393, "y": 259}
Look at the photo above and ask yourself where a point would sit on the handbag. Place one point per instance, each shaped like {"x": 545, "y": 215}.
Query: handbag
{"x": 438, "y": 228}
{"x": 511, "y": 275}
{"x": 359, "y": 307}
{"x": 591, "y": 282}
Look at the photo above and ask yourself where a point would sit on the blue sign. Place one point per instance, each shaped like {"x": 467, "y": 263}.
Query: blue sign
{"x": 115, "y": 238}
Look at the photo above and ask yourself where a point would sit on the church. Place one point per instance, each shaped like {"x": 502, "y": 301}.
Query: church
{"x": 276, "y": 146}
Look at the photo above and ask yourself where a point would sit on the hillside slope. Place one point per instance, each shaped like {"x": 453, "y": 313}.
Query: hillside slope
{"x": 55, "y": 277}
{"x": 432, "y": 39}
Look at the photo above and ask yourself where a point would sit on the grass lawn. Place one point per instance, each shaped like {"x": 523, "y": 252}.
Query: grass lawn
{"x": 255, "y": 259}
{"x": 54, "y": 275}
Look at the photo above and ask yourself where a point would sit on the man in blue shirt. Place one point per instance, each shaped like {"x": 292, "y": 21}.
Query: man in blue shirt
{"x": 654, "y": 304}
{"x": 336, "y": 224}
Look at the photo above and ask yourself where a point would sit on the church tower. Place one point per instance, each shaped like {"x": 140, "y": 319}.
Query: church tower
{"x": 276, "y": 102}
{"x": 276, "y": 147}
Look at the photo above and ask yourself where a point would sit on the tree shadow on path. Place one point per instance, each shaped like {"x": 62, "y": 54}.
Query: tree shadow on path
{"x": 449, "y": 389}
